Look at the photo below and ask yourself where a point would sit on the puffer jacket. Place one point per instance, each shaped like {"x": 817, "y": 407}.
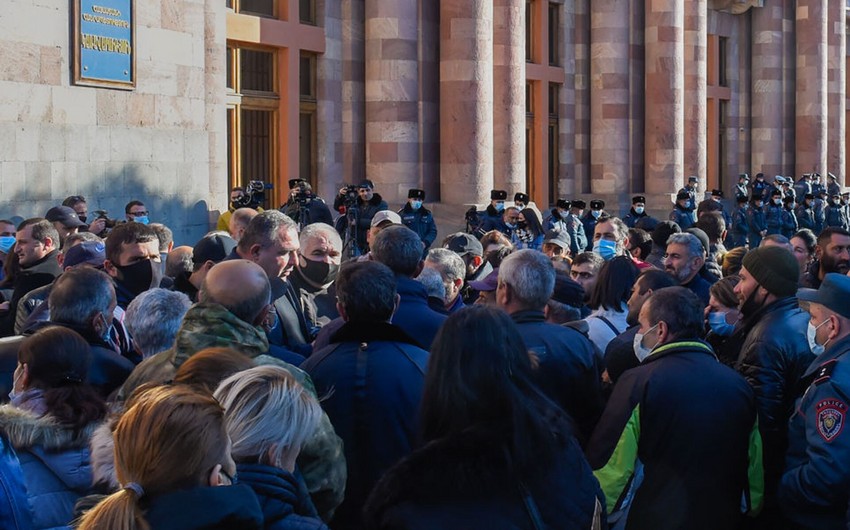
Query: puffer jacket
{"x": 774, "y": 356}
{"x": 285, "y": 503}
{"x": 15, "y": 511}
{"x": 55, "y": 464}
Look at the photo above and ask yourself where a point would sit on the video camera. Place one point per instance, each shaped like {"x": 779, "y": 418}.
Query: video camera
{"x": 351, "y": 196}
{"x": 255, "y": 194}
{"x": 108, "y": 223}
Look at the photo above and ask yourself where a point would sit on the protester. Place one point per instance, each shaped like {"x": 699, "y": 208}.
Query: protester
{"x": 318, "y": 264}
{"x": 153, "y": 318}
{"x": 529, "y": 233}
{"x": 832, "y": 254}
{"x": 804, "y": 246}
{"x": 453, "y": 271}
{"x": 133, "y": 261}
{"x": 608, "y": 301}
{"x": 722, "y": 315}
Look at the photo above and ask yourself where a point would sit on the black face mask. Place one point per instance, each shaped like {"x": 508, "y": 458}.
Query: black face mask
{"x": 140, "y": 276}
{"x": 82, "y": 218}
{"x": 521, "y": 224}
{"x": 318, "y": 272}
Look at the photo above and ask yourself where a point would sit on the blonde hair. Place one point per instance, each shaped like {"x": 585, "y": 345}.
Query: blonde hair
{"x": 169, "y": 438}
{"x": 267, "y": 414}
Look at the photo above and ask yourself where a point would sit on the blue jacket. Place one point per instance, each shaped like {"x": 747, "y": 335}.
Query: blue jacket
{"x": 789, "y": 223}
{"x": 756, "y": 222}
{"x": 372, "y": 375}
{"x": 420, "y": 221}
{"x": 55, "y": 464}
{"x": 589, "y": 224}
{"x": 204, "y": 508}
{"x": 631, "y": 218}
{"x": 413, "y": 315}
{"x": 805, "y": 217}
{"x": 14, "y": 509}
{"x": 835, "y": 216}
{"x": 491, "y": 219}
{"x": 773, "y": 218}
{"x": 814, "y": 489}
{"x": 285, "y": 502}
{"x": 737, "y": 236}
{"x": 682, "y": 217}
{"x": 569, "y": 371}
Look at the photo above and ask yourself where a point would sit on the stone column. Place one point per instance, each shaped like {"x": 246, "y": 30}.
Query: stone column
{"x": 696, "y": 89}
{"x": 582, "y": 98}
{"x": 392, "y": 97}
{"x": 466, "y": 101}
{"x": 353, "y": 108}
{"x": 789, "y": 98}
{"x": 329, "y": 122}
{"x": 811, "y": 125}
{"x": 767, "y": 78}
{"x": 837, "y": 68}
{"x": 664, "y": 96}
{"x": 215, "y": 113}
{"x": 609, "y": 96}
{"x": 509, "y": 94}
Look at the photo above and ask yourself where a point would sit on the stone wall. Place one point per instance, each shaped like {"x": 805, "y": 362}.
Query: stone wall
{"x": 163, "y": 143}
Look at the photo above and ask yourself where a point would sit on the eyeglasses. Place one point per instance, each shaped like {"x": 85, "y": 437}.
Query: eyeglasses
{"x": 139, "y": 214}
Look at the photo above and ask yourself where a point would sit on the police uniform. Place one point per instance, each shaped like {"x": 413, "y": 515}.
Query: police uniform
{"x": 589, "y": 222}
{"x": 737, "y": 236}
{"x": 633, "y": 216}
{"x": 805, "y": 214}
{"x": 419, "y": 220}
{"x": 813, "y": 491}
{"x": 756, "y": 223}
{"x": 759, "y": 186}
{"x": 575, "y": 228}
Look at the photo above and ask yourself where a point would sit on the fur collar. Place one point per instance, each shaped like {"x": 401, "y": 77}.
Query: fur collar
{"x": 101, "y": 450}
{"x": 25, "y": 430}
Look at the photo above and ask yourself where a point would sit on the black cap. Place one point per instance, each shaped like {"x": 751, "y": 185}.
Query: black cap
{"x": 775, "y": 193}
{"x": 759, "y": 175}
{"x": 567, "y": 291}
{"x": 416, "y": 194}
{"x": 462, "y": 243}
{"x": 638, "y": 199}
{"x": 214, "y": 247}
{"x": 692, "y": 178}
{"x": 742, "y": 199}
{"x": 833, "y": 294}
{"x": 521, "y": 197}
{"x": 683, "y": 195}
{"x": 580, "y": 204}
{"x": 498, "y": 195}
{"x": 757, "y": 198}
{"x": 809, "y": 196}
{"x": 293, "y": 183}
{"x": 65, "y": 215}
{"x": 366, "y": 184}
{"x": 717, "y": 193}
{"x": 562, "y": 203}
{"x": 663, "y": 231}
{"x": 788, "y": 199}
{"x": 597, "y": 204}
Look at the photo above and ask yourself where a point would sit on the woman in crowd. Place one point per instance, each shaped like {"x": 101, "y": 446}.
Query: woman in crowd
{"x": 608, "y": 300}
{"x": 172, "y": 457}
{"x": 804, "y": 243}
{"x": 721, "y": 315}
{"x": 496, "y": 452}
{"x": 529, "y": 232}
{"x": 50, "y": 420}
{"x": 269, "y": 416}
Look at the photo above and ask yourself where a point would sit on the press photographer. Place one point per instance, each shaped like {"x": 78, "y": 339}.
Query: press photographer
{"x": 358, "y": 206}
{"x": 304, "y": 206}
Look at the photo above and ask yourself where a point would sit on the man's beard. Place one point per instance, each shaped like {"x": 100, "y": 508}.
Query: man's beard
{"x": 830, "y": 264}
{"x": 750, "y": 306}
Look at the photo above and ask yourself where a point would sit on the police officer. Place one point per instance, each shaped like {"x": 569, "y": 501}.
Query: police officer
{"x": 817, "y": 185}
{"x": 682, "y": 215}
{"x": 691, "y": 189}
{"x": 491, "y": 218}
{"x": 756, "y": 222}
{"x": 813, "y": 491}
{"x": 575, "y": 228}
{"x": 521, "y": 200}
{"x": 835, "y": 214}
{"x": 741, "y": 187}
{"x": 636, "y": 212}
{"x": 819, "y": 210}
{"x": 789, "y": 218}
{"x": 737, "y": 236}
{"x": 418, "y": 218}
{"x": 773, "y": 213}
{"x": 805, "y": 214}
{"x": 803, "y": 186}
{"x": 715, "y": 204}
{"x": 597, "y": 209}
{"x": 832, "y": 187}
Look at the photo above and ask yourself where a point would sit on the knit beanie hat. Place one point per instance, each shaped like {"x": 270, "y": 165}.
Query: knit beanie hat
{"x": 774, "y": 268}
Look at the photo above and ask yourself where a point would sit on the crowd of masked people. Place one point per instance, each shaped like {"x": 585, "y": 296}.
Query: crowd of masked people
{"x": 311, "y": 367}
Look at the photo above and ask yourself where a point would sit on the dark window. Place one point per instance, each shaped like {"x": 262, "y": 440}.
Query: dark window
{"x": 307, "y": 76}
{"x": 229, "y": 68}
{"x": 307, "y": 11}
{"x": 257, "y": 70}
{"x": 257, "y": 7}
{"x": 307, "y": 145}
{"x": 722, "y": 61}
{"x": 554, "y": 34}
{"x": 529, "y": 31}
{"x": 257, "y": 145}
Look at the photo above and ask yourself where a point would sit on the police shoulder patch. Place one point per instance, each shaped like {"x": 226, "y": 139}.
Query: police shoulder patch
{"x": 825, "y": 372}
{"x": 831, "y": 414}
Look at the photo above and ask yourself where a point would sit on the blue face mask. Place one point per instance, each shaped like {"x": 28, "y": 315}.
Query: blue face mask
{"x": 596, "y": 213}
{"x": 500, "y": 206}
{"x": 143, "y": 219}
{"x": 719, "y": 326}
{"x": 6, "y": 243}
{"x": 416, "y": 204}
{"x": 606, "y": 249}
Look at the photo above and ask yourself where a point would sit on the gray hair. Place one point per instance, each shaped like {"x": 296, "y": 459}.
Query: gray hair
{"x": 320, "y": 230}
{"x": 433, "y": 283}
{"x": 263, "y": 229}
{"x": 267, "y": 414}
{"x": 399, "y": 248}
{"x": 531, "y": 275}
{"x": 692, "y": 242}
{"x": 154, "y": 317}
{"x": 163, "y": 234}
{"x": 450, "y": 266}
{"x": 78, "y": 295}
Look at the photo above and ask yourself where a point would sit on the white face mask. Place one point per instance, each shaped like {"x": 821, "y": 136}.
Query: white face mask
{"x": 811, "y": 336}
{"x": 641, "y": 351}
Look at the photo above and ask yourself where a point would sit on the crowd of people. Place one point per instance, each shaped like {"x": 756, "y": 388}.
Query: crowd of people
{"x": 341, "y": 367}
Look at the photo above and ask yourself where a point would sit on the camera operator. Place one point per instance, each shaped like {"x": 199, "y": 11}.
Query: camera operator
{"x": 359, "y": 212}
{"x": 78, "y": 203}
{"x": 304, "y": 206}
{"x": 237, "y": 200}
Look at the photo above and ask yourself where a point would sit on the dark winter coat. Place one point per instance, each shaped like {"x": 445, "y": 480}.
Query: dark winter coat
{"x": 465, "y": 480}
{"x": 204, "y": 508}
{"x": 682, "y": 217}
{"x": 420, "y": 221}
{"x": 292, "y": 331}
{"x": 285, "y": 503}
{"x": 757, "y": 224}
{"x": 365, "y": 212}
{"x": 15, "y": 511}
{"x": 413, "y": 315}
{"x": 39, "y": 274}
{"x": 372, "y": 375}
{"x": 491, "y": 219}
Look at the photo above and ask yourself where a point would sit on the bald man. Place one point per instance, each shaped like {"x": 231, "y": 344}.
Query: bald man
{"x": 239, "y": 221}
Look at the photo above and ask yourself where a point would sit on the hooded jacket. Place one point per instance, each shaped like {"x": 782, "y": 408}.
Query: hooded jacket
{"x": 285, "y": 505}
{"x": 55, "y": 464}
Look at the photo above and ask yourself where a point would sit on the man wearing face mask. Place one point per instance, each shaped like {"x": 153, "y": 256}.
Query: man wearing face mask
{"x": 591, "y": 218}
{"x": 318, "y": 263}
{"x": 609, "y": 237}
{"x": 133, "y": 261}
{"x": 691, "y": 189}
{"x": 135, "y": 212}
{"x": 773, "y": 355}
{"x": 773, "y": 213}
{"x": 237, "y": 201}
{"x": 636, "y": 212}
{"x": 835, "y": 215}
{"x": 812, "y": 491}
{"x": 680, "y": 402}
{"x": 491, "y": 218}
{"x": 575, "y": 227}
{"x": 418, "y": 218}
{"x": 682, "y": 215}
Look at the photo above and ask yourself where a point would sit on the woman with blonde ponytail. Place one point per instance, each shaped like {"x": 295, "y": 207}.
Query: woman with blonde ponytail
{"x": 172, "y": 458}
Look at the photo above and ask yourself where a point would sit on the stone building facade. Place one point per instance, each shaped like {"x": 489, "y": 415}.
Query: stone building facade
{"x": 559, "y": 98}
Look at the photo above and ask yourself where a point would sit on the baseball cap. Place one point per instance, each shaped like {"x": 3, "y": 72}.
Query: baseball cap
{"x": 558, "y": 237}
{"x": 65, "y": 215}
{"x": 91, "y": 252}
{"x": 385, "y": 215}
{"x": 214, "y": 247}
{"x": 462, "y": 243}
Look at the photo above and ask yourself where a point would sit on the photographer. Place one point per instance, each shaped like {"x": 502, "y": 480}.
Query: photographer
{"x": 237, "y": 200}
{"x": 304, "y": 206}
{"x": 359, "y": 212}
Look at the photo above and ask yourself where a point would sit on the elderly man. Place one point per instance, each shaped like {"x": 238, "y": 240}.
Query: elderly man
{"x": 318, "y": 264}
{"x": 813, "y": 491}
{"x": 773, "y": 352}
{"x": 472, "y": 253}
{"x": 682, "y": 421}
{"x": 153, "y": 319}
{"x": 683, "y": 260}
{"x": 569, "y": 371}
{"x": 372, "y": 374}
{"x": 453, "y": 271}
{"x": 133, "y": 261}
{"x": 832, "y": 254}
{"x": 37, "y": 249}
{"x": 271, "y": 241}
